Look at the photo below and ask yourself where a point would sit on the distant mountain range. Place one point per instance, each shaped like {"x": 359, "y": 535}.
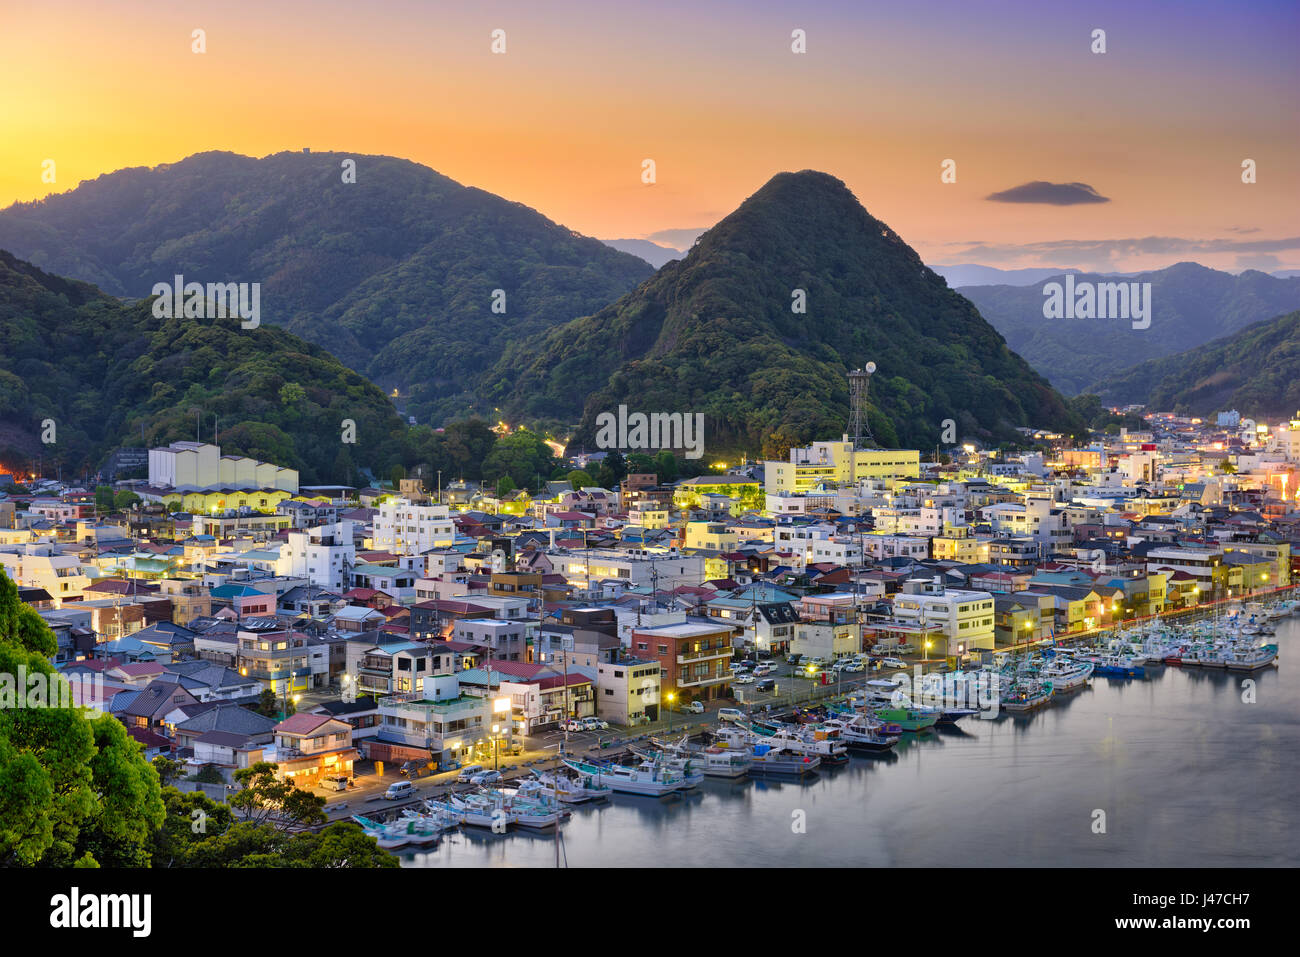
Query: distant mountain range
{"x": 1191, "y": 305}
{"x": 718, "y": 333}
{"x": 103, "y": 373}
{"x": 653, "y": 253}
{"x": 969, "y": 274}
{"x": 395, "y": 273}
{"x": 1256, "y": 371}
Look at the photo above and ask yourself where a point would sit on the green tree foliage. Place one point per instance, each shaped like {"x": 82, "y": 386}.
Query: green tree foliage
{"x": 264, "y": 798}
{"x": 394, "y": 275}
{"x": 199, "y": 832}
{"x": 522, "y": 455}
{"x": 102, "y": 368}
{"x": 125, "y": 499}
{"x": 505, "y": 485}
{"x": 1255, "y": 370}
{"x": 74, "y": 789}
{"x": 579, "y": 478}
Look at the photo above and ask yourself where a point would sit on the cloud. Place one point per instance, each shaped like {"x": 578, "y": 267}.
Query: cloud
{"x": 1264, "y": 262}
{"x": 1052, "y": 194}
{"x": 678, "y": 238}
{"x": 1108, "y": 252}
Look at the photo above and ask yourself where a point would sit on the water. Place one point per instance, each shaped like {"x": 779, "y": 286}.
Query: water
{"x": 1187, "y": 773}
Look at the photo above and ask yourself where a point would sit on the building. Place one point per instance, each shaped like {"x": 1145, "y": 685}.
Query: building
{"x": 404, "y": 528}
{"x": 963, "y": 617}
{"x": 200, "y": 466}
{"x": 439, "y": 723}
{"x": 833, "y": 464}
{"x": 324, "y": 556}
{"x": 694, "y": 658}
{"x": 310, "y": 746}
{"x": 627, "y": 691}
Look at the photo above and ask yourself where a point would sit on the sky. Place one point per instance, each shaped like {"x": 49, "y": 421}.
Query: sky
{"x": 1138, "y": 150}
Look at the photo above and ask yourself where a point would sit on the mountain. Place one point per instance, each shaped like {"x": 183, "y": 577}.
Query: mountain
{"x": 394, "y": 273}
{"x": 716, "y": 333}
{"x": 970, "y": 274}
{"x": 1255, "y": 371}
{"x": 1190, "y": 305}
{"x": 109, "y": 373}
{"x": 653, "y": 253}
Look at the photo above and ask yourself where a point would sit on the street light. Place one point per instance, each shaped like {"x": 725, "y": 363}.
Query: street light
{"x": 496, "y": 730}
{"x": 670, "y": 697}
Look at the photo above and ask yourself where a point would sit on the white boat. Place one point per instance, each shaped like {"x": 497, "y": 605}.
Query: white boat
{"x": 1249, "y": 659}
{"x": 1066, "y": 674}
{"x": 683, "y": 762}
{"x": 482, "y": 810}
{"x": 649, "y": 778}
{"x": 572, "y": 789}
{"x": 714, "y": 762}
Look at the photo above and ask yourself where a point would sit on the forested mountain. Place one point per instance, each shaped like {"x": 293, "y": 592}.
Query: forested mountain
{"x": 1255, "y": 371}
{"x": 394, "y": 273}
{"x": 1190, "y": 305}
{"x": 108, "y": 373}
{"x": 718, "y": 332}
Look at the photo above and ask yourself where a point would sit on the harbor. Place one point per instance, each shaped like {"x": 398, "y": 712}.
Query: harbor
{"x": 1119, "y": 770}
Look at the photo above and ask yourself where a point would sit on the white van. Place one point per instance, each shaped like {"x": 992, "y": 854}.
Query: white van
{"x": 399, "y": 789}
{"x": 467, "y": 772}
{"x": 334, "y": 782}
{"x": 731, "y": 714}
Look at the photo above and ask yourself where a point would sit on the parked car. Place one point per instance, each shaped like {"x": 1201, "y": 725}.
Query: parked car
{"x": 744, "y": 679}
{"x": 793, "y": 659}
{"x": 516, "y": 747}
{"x": 894, "y": 663}
{"x": 695, "y": 707}
{"x": 486, "y": 777}
{"x": 731, "y": 714}
{"x": 595, "y": 724}
{"x": 334, "y": 782}
{"x": 399, "y": 789}
{"x": 574, "y": 724}
{"x": 767, "y": 684}
{"x": 467, "y": 772}
{"x": 856, "y": 666}
{"x": 765, "y": 669}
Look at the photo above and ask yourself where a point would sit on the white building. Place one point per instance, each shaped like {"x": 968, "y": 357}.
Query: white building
{"x": 407, "y": 529}
{"x": 324, "y": 555}
{"x": 627, "y": 691}
{"x": 197, "y": 466}
{"x": 965, "y": 617}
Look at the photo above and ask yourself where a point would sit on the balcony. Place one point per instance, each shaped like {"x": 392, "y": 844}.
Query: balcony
{"x": 703, "y": 654}
{"x": 702, "y": 680}
{"x": 275, "y": 674}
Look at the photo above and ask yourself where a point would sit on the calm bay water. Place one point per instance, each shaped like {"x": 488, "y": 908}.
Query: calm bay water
{"x": 1187, "y": 773}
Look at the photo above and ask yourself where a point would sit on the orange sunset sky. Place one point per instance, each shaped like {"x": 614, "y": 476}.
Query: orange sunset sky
{"x": 1159, "y": 124}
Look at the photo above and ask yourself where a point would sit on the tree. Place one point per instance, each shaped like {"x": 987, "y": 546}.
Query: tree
{"x": 505, "y": 485}
{"x": 579, "y": 478}
{"x": 125, "y": 499}
{"x": 264, "y": 798}
{"x": 522, "y": 454}
{"x": 665, "y": 465}
{"x": 74, "y": 790}
{"x": 104, "y": 497}
{"x": 396, "y": 474}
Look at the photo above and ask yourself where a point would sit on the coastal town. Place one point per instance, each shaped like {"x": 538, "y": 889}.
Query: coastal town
{"x": 404, "y": 647}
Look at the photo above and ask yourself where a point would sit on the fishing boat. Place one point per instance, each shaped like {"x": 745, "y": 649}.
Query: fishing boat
{"x": 1117, "y": 666}
{"x": 482, "y": 810}
{"x": 533, "y": 810}
{"x": 713, "y": 761}
{"x": 860, "y": 733}
{"x": 571, "y": 788}
{"x": 1249, "y": 658}
{"x": 649, "y": 778}
{"x": 1027, "y": 696}
{"x": 684, "y": 764}
{"x": 1066, "y": 674}
{"x": 815, "y": 740}
{"x": 388, "y": 835}
{"x": 766, "y": 759}
{"x": 909, "y": 719}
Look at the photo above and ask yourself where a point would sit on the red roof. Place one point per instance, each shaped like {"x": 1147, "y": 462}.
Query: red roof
{"x": 303, "y": 722}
